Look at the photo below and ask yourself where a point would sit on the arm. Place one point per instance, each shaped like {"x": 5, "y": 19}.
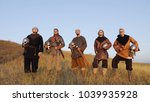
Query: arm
{"x": 116, "y": 46}
{"x": 135, "y": 43}
{"x": 45, "y": 44}
{"x": 109, "y": 44}
{"x": 84, "y": 44}
{"x": 95, "y": 47}
{"x": 26, "y": 45}
{"x": 71, "y": 44}
{"x": 41, "y": 45}
{"x": 62, "y": 43}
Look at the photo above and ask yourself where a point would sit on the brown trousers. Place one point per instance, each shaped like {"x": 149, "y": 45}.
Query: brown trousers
{"x": 78, "y": 62}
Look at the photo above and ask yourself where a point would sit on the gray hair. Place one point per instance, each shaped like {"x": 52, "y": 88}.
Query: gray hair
{"x": 35, "y": 28}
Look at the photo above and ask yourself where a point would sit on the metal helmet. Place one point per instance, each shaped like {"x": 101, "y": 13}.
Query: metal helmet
{"x": 72, "y": 45}
{"x": 48, "y": 43}
{"x": 25, "y": 41}
{"x": 132, "y": 47}
{"x": 105, "y": 45}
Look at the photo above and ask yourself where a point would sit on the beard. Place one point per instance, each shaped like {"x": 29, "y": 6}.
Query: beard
{"x": 77, "y": 34}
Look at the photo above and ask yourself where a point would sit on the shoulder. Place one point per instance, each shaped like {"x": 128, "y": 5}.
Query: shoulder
{"x": 82, "y": 37}
{"x": 50, "y": 38}
{"x": 96, "y": 39}
{"x": 106, "y": 38}
{"x": 127, "y": 36}
{"x": 40, "y": 36}
{"x": 60, "y": 37}
{"x": 116, "y": 41}
{"x": 74, "y": 38}
{"x": 131, "y": 38}
{"x": 29, "y": 36}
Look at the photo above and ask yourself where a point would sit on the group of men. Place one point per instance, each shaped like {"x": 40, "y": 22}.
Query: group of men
{"x": 33, "y": 48}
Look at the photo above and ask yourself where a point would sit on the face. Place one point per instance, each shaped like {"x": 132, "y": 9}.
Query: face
{"x": 34, "y": 30}
{"x": 56, "y": 31}
{"x": 101, "y": 33}
{"x": 121, "y": 32}
{"x": 77, "y": 32}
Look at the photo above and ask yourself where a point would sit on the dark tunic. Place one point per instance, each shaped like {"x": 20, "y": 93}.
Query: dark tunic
{"x": 35, "y": 46}
{"x": 101, "y": 53}
{"x": 81, "y": 43}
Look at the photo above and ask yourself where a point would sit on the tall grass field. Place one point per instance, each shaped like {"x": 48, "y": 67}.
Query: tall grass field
{"x": 12, "y": 71}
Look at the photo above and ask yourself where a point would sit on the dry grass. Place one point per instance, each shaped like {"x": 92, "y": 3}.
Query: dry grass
{"x": 9, "y": 51}
{"x": 11, "y": 73}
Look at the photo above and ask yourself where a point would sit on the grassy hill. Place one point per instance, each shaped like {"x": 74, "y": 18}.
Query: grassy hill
{"x": 9, "y": 51}
{"x": 11, "y": 72}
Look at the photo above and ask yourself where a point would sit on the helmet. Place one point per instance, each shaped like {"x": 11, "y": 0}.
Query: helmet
{"x": 132, "y": 51}
{"x": 25, "y": 41}
{"x": 105, "y": 45}
{"x": 48, "y": 43}
{"x": 132, "y": 47}
{"x": 72, "y": 45}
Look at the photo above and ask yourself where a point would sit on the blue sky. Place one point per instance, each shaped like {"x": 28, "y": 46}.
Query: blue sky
{"x": 17, "y": 17}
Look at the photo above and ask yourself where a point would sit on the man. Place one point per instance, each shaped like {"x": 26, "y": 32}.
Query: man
{"x": 77, "y": 46}
{"x": 101, "y": 45}
{"x": 56, "y": 43}
{"x": 32, "y": 50}
{"x": 122, "y": 47}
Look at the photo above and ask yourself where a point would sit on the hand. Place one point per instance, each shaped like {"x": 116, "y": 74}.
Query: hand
{"x": 46, "y": 46}
{"x": 136, "y": 50}
{"x": 56, "y": 48}
{"x": 39, "y": 54}
{"x": 78, "y": 49}
{"x": 120, "y": 49}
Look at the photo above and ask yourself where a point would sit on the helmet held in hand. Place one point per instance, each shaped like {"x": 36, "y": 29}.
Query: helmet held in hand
{"x": 25, "y": 42}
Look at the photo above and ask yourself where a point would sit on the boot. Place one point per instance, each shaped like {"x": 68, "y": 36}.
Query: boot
{"x": 129, "y": 75}
{"x": 33, "y": 76}
{"x": 95, "y": 72}
{"x": 74, "y": 70}
{"x": 115, "y": 74}
{"x": 83, "y": 72}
